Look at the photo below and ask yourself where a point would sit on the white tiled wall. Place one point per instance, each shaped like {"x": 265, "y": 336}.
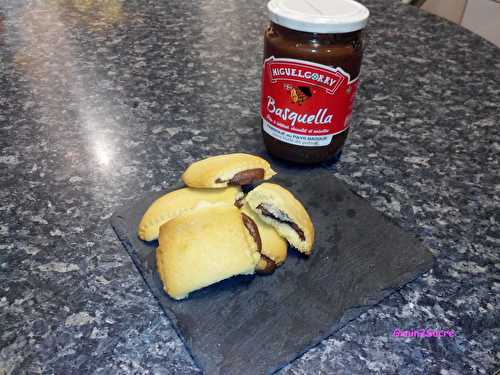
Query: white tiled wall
{"x": 483, "y": 18}
{"x": 452, "y": 10}
{"x": 479, "y": 16}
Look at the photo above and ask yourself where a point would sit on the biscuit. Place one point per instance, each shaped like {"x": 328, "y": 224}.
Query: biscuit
{"x": 274, "y": 247}
{"x": 279, "y": 208}
{"x": 177, "y": 202}
{"x": 202, "y": 247}
{"x": 224, "y": 170}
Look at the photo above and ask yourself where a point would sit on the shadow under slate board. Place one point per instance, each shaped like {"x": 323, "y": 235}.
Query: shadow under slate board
{"x": 258, "y": 324}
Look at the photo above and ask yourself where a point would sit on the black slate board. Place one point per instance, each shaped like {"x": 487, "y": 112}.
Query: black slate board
{"x": 258, "y": 324}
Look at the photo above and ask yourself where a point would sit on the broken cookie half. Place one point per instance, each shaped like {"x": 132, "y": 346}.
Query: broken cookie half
{"x": 278, "y": 207}
{"x": 273, "y": 247}
{"x": 203, "y": 247}
{"x": 225, "y": 170}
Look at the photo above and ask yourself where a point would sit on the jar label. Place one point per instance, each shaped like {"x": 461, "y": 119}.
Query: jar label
{"x": 304, "y": 103}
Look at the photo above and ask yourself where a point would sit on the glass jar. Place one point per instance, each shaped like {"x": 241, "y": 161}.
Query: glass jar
{"x": 312, "y": 61}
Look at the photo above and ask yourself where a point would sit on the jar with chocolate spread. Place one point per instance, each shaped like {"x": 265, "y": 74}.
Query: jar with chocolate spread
{"x": 312, "y": 59}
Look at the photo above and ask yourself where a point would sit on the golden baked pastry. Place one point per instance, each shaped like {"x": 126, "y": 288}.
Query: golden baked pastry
{"x": 202, "y": 247}
{"x": 223, "y": 170}
{"x": 274, "y": 247}
{"x": 278, "y": 207}
{"x": 177, "y": 202}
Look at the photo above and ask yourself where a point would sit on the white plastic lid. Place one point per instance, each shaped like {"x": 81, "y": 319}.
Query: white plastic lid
{"x": 319, "y": 16}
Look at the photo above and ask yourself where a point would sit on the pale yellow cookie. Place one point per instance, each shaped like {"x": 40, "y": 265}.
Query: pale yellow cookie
{"x": 177, "y": 202}
{"x": 223, "y": 170}
{"x": 274, "y": 246}
{"x": 202, "y": 247}
{"x": 278, "y": 207}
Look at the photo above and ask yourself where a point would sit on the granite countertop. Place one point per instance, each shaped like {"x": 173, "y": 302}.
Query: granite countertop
{"x": 101, "y": 102}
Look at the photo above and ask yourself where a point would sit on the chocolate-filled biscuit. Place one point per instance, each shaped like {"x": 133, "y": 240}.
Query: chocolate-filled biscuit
{"x": 274, "y": 248}
{"x": 202, "y": 247}
{"x": 278, "y": 207}
{"x": 226, "y": 170}
{"x": 176, "y": 203}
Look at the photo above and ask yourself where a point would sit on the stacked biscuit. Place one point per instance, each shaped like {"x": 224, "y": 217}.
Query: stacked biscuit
{"x": 210, "y": 231}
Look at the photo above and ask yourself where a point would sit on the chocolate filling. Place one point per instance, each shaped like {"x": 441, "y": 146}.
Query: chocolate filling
{"x": 283, "y": 219}
{"x": 244, "y": 177}
{"x": 252, "y": 229}
{"x": 265, "y": 265}
{"x": 239, "y": 202}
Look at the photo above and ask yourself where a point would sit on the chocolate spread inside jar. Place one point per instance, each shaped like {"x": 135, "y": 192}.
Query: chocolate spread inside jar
{"x": 312, "y": 59}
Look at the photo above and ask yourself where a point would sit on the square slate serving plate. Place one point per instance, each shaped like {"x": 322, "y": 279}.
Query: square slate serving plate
{"x": 258, "y": 324}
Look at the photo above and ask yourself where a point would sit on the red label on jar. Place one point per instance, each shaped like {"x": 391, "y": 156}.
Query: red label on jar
{"x": 304, "y": 103}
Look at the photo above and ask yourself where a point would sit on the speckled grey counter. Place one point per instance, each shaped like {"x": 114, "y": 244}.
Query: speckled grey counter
{"x": 100, "y": 103}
